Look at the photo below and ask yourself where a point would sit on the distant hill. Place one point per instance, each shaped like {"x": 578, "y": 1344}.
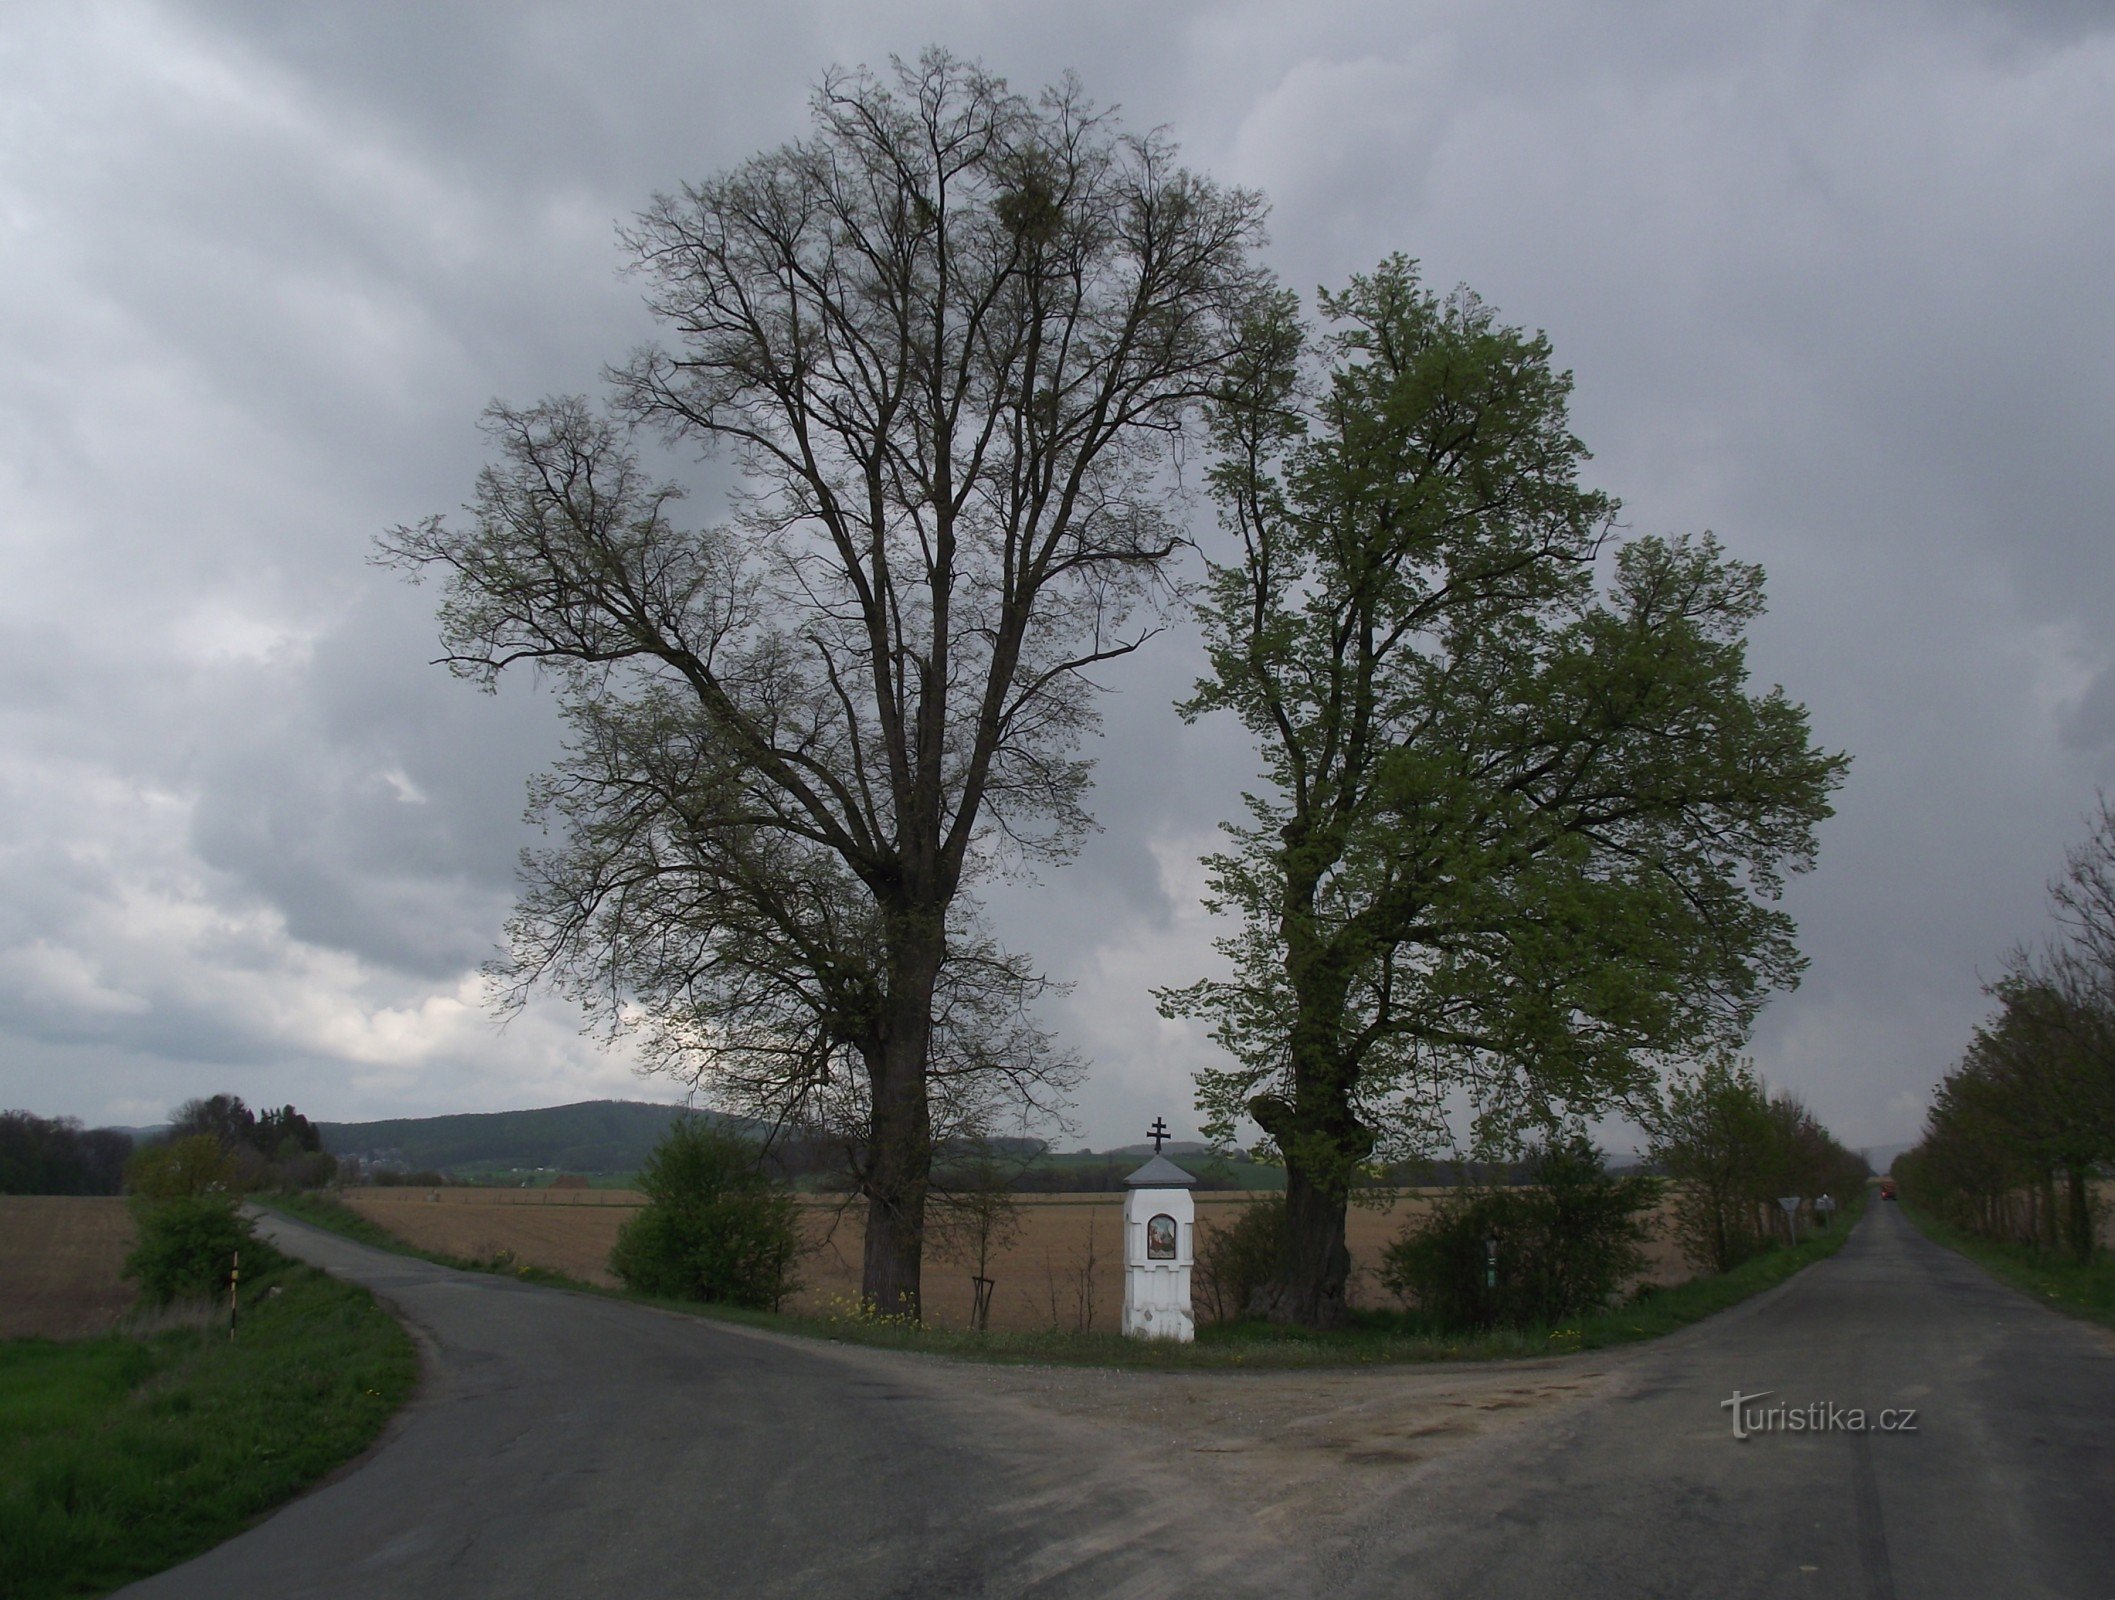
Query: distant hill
{"x": 1172, "y": 1147}
{"x": 595, "y": 1136}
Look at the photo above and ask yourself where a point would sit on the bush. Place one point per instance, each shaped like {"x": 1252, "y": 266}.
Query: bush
{"x": 716, "y": 1227}
{"x": 1237, "y": 1258}
{"x": 187, "y": 1245}
{"x": 1565, "y": 1245}
{"x": 183, "y": 1167}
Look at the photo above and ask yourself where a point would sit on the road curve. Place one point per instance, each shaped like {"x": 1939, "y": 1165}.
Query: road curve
{"x": 571, "y": 1445}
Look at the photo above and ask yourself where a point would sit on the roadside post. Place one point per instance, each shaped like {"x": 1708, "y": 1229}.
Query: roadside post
{"x": 1160, "y": 1226}
{"x": 234, "y": 1295}
{"x": 1825, "y": 1210}
{"x": 1790, "y": 1202}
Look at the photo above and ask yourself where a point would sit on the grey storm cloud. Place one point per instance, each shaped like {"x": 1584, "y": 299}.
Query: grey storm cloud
{"x": 1832, "y": 282}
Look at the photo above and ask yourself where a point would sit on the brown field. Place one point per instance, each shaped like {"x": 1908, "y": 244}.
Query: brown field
{"x": 1064, "y": 1270}
{"x": 59, "y": 1261}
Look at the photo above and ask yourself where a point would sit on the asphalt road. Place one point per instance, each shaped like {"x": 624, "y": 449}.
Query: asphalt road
{"x": 566, "y": 1445}
{"x": 2006, "y": 1486}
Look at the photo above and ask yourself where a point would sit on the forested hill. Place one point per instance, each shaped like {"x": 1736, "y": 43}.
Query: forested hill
{"x": 596, "y": 1136}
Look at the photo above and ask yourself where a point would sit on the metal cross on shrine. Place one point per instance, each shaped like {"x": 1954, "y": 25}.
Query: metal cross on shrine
{"x": 1157, "y": 1132}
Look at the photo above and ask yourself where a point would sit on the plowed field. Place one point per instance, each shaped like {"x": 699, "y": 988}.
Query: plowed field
{"x": 60, "y": 1256}
{"x": 1065, "y": 1269}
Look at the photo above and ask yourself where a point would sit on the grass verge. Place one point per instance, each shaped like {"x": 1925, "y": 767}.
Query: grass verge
{"x": 123, "y": 1455}
{"x": 2056, "y": 1281}
{"x": 333, "y": 1216}
{"x": 1373, "y": 1338}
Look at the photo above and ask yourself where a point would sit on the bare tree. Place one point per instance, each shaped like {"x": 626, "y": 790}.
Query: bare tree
{"x": 2084, "y": 896}
{"x": 953, "y": 341}
{"x": 978, "y": 1213}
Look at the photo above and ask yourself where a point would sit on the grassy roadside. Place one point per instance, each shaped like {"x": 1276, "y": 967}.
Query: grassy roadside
{"x": 2062, "y": 1284}
{"x": 333, "y": 1216}
{"x": 1373, "y": 1338}
{"x": 123, "y": 1455}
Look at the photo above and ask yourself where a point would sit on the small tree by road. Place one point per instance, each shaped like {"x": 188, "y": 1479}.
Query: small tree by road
{"x": 716, "y": 1226}
{"x": 977, "y": 1214}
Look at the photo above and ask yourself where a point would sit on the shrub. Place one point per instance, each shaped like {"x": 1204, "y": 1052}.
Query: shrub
{"x": 1565, "y": 1245}
{"x": 716, "y": 1227}
{"x": 187, "y": 1245}
{"x": 1237, "y": 1258}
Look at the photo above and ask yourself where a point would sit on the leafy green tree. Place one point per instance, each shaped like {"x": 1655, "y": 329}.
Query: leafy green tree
{"x": 1729, "y": 1149}
{"x": 951, "y": 341}
{"x": 190, "y": 1165}
{"x": 1518, "y": 837}
{"x": 1804, "y": 1158}
{"x": 185, "y": 1199}
{"x": 222, "y": 1116}
{"x": 286, "y": 1134}
{"x": 716, "y": 1225}
{"x": 2032, "y": 1102}
{"x": 279, "y": 1148}
{"x": 2031, "y": 1106}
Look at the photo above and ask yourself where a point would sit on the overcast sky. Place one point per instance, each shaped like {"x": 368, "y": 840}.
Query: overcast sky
{"x": 1834, "y": 282}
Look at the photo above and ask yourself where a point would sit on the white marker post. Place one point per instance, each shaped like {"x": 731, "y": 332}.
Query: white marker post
{"x": 1160, "y": 1227}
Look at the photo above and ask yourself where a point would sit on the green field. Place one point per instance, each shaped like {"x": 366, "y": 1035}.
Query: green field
{"x": 120, "y": 1456}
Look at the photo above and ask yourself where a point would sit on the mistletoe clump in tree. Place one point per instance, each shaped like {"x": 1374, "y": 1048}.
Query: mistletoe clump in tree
{"x": 1520, "y": 831}
{"x": 949, "y": 340}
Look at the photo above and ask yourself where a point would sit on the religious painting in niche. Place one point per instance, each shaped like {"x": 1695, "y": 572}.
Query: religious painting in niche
{"x": 1160, "y": 1238}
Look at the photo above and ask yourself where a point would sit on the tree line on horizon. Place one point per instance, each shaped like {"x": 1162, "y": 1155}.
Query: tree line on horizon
{"x": 2019, "y": 1129}
{"x": 1523, "y": 820}
{"x": 57, "y": 1155}
{"x": 277, "y": 1148}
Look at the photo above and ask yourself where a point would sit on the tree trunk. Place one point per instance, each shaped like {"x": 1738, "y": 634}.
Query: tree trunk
{"x": 2079, "y": 1221}
{"x": 895, "y": 1244}
{"x": 900, "y": 1149}
{"x": 1314, "y": 1263}
{"x": 1322, "y": 1141}
{"x": 1323, "y": 1144}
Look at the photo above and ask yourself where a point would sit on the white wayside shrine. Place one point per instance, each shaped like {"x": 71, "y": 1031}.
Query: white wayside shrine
{"x": 1160, "y": 1228}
